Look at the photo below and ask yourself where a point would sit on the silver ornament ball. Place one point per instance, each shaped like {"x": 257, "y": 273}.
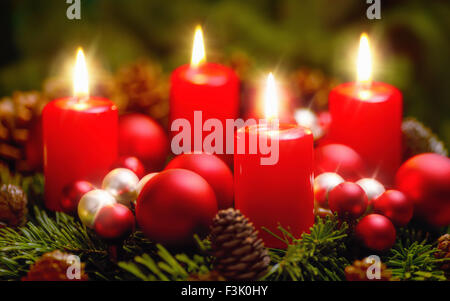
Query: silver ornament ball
{"x": 372, "y": 187}
{"x": 327, "y": 181}
{"x": 91, "y": 203}
{"x": 308, "y": 119}
{"x": 122, "y": 184}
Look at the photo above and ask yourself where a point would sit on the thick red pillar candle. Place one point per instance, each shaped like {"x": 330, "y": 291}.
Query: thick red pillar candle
{"x": 279, "y": 194}
{"x": 211, "y": 89}
{"x": 369, "y": 121}
{"x": 80, "y": 143}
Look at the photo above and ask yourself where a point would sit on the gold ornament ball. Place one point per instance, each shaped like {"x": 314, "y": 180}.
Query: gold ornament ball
{"x": 144, "y": 181}
{"x": 371, "y": 187}
{"x": 122, "y": 183}
{"x": 91, "y": 203}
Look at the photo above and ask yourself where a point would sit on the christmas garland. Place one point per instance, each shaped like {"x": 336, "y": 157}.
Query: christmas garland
{"x": 326, "y": 253}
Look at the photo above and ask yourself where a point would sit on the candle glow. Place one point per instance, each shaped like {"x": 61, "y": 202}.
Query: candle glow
{"x": 80, "y": 76}
{"x": 198, "y": 50}
{"x": 364, "y": 62}
{"x": 271, "y": 98}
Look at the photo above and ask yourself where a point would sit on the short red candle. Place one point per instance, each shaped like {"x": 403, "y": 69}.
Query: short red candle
{"x": 210, "y": 88}
{"x": 369, "y": 124}
{"x": 80, "y": 143}
{"x": 279, "y": 194}
{"x": 80, "y": 136}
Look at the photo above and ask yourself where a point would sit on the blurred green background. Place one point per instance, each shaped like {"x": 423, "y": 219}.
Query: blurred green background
{"x": 411, "y": 41}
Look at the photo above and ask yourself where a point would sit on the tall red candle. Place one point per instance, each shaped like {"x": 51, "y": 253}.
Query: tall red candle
{"x": 80, "y": 140}
{"x": 277, "y": 194}
{"x": 210, "y": 88}
{"x": 367, "y": 117}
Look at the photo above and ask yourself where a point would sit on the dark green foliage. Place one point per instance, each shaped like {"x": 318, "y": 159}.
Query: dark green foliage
{"x": 166, "y": 267}
{"x": 316, "y": 256}
{"x": 415, "y": 262}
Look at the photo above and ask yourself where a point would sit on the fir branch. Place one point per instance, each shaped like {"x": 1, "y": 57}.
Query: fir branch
{"x": 415, "y": 261}
{"x": 19, "y": 248}
{"x": 318, "y": 255}
{"x": 165, "y": 267}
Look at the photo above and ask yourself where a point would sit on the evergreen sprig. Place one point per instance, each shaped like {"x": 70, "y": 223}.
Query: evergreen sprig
{"x": 19, "y": 248}
{"x": 317, "y": 255}
{"x": 165, "y": 266}
{"x": 415, "y": 261}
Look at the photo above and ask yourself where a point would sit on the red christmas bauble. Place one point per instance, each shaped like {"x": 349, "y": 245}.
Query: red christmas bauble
{"x": 396, "y": 206}
{"x": 142, "y": 137}
{"x": 213, "y": 170}
{"x": 323, "y": 183}
{"x": 174, "y": 205}
{"x": 376, "y": 232}
{"x": 131, "y": 163}
{"x": 340, "y": 159}
{"x": 425, "y": 179}
{"x": 114, "y": 222}
{"x": 72, "y": 194}
{"x": 348, "y": 199}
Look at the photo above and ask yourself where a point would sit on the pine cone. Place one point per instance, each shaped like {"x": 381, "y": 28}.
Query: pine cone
{"x": 19, "y": 115}
{"x": 418, "y": 139}
{"x": 444, "y": 252}
{"x": 53, "y": 266}
{"x": 311, "y": 88}
{"x": 358, "y": 271}
{"x": 240, "y": 254}
{"x": 13, "y": 205}
{"x": 143, "y": 88}
{"x": 211, "y": 276}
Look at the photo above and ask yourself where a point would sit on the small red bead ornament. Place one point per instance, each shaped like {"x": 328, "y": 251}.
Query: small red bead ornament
{"x": 348, "y": 199}
{"x": 396, "y": 206}
{"x": 376, "y": 232}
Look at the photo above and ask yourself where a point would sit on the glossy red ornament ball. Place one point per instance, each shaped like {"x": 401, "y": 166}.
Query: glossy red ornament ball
{"x": 323, "y": 183}
{"x": 340, "y": 159}
{"x": 131, "y": 163}
{"x": 213, "y": 170}
{"x": 425, "y": 179}
{"x": 114, "y": 222}
{"x": 174, "y": 205}
{"x": 142, "y": 137}
{"x": 348, "y": 199}
{"x": 376, "y": 232}
{"x": 72, "y": 195}
{"x": 396, "y": 206}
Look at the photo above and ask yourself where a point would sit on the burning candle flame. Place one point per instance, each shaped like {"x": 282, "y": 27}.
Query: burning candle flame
{"x": 198, "y": 51}
{"x": 271, "y": 98}
{"x": 364, "y": 63}
{"x": 80, "y": 76}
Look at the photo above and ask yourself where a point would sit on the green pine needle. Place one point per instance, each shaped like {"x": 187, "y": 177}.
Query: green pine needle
{"x": 318, "y": 255}
{"x": 165, "y": 266}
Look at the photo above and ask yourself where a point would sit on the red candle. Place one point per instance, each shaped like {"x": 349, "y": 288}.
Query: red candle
{"x": 367, "y": 116}
{"x": 281, "y": 193}
{"x": 80, "y": 138}
{"x": 211, "y": 89}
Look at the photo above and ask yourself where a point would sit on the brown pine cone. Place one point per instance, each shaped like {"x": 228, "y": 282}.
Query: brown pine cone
{"x": 240, "y": 254}
{"x": 418, "y": 139}
{"x": 143, "y": 88}
{"x": 444, "y": 252}
{"x": 211, "y": 276}
{"x": 13, "y": 206}
{"x": 358, "y": 271}
{"x": 311, "y": 88}
{"x": 53, "y": 266}
{"x": 18, "y": 117}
